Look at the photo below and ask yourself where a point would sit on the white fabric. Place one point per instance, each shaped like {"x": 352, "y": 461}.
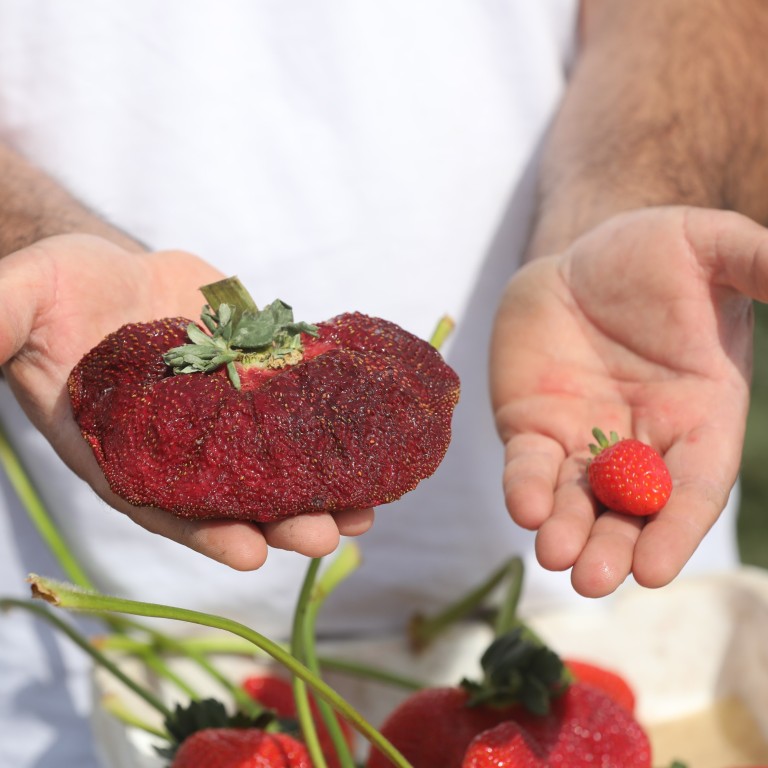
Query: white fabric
{"x": 340, "y": 155}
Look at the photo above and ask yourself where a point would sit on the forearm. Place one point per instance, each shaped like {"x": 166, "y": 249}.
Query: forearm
{"x": 666, "y": 105}
{"x": 33, "y": 206}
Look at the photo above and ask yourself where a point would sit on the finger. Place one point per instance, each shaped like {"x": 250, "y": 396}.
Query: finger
{"x": 562, "y": 538}
{"x": 669, "y": 540}
{"x": 354, "y": 522}
{"x": 21, "y": 282}
{"x": 531, "y": 470}
{"x": 314, "y": 534}
{"x": 734, "y": 249}
{"x": 240, "y": 545}
{"x": 607, "y": 557}
{"x": 703, "y": 466}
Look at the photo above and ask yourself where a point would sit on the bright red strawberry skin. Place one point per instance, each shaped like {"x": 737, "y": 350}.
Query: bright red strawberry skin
{"x": 505, "y": 745}
{"x": 434, "y": 727}
{"x": 240, "y": 748}
{"x": 595, "y": 731}
{"x": 585, "y": 728}
{"x": 359, "y": 422}
{"x": 605, "y": 679}
{"x": 630, "y": 477}
{"x": 276, "y": 693}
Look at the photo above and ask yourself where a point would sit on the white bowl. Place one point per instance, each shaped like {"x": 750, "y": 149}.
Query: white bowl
{"x": 695, "y": 652}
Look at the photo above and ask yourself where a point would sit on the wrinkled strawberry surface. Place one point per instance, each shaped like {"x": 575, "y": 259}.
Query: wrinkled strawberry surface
{"x": 359, "y": 422}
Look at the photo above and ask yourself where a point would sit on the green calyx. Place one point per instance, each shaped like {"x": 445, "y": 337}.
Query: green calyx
{"x": 239, "y": 333}
{"x": 519, "y": 669}
{"x": 603, "y": 442}
{"x": 211, "y": 713}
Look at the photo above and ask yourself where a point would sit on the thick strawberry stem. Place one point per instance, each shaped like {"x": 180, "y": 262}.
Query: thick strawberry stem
{"x": 82, "y": 642}
{"x": 518, "y": 667}
{"x": 72, "y": 598}
{"x": 40, "y": 517}
{"x": 313, "y": 594}
{"x": 423, "y": 630}
{"x": 442, "y": 331}
{"x": 38, "y": 513}
{"x": 116, "y": 707}
{"x": 298, "y": 649}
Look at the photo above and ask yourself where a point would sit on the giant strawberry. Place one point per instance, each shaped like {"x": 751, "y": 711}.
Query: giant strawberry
{"x": 259, "y": 417}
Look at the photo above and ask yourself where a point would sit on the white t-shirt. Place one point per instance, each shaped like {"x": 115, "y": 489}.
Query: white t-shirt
{"x": 342, "y": 156}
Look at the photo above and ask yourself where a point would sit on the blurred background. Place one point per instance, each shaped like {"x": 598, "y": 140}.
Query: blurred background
{"x": 753, "y": 518}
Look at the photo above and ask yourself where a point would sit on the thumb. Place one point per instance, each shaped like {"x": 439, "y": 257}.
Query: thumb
{"x": 732, "y": 248}
{"x": 25, "y": 291}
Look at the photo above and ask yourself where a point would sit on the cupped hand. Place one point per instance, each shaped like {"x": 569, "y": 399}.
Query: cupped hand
{"x": 642, "y": 327}
{"x": 60, "y": 297}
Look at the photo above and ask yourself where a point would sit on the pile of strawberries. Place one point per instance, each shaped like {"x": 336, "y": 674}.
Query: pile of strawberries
{"x": 590, "y": 724}
{"x": 530, "y": 711}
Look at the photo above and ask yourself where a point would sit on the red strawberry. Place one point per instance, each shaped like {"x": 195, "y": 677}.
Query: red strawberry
{"x": 272, "y": 692}
{"x": 276, "y": 693}
{"x": 605, "y": 679}
{"x": 628, "y": 475}
{"x": 505, "y": 745}
{"x": 351, "y": 413}
{"x": 593, "y": 730}
{"x": 434, "y": 727}
{"x": 240, "y": 748}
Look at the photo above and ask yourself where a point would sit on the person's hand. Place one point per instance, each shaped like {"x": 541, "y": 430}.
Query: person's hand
{"x": 643, "y": 327}
{"x": 59, "y": 298}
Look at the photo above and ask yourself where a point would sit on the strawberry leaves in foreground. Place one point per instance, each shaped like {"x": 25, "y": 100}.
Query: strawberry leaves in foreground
{"x": 519, "y": 669}
{"x": 205, "y": 714}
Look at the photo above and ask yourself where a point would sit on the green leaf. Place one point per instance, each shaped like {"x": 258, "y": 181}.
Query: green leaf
{"x": 197, "y": 336}
{"x": 519, "y": 668}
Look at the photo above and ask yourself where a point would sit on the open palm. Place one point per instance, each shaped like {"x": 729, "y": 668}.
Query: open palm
{"x": 643, "y": 327}
{"x": 60, "y": 297}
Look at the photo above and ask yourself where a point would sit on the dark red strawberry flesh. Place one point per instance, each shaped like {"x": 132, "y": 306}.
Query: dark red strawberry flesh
{"x": 359, "y": 420}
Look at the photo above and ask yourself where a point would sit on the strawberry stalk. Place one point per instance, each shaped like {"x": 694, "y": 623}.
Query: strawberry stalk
{"x": 116, "y": 707}
{"x": 313, "y": 594}
{"x": 38, "y": 514}
{"x": 72, "y": 598}
{"x": 442, "y": 331}
{"x": 424, "y": 630}
{"x": 82, "y": 642}
{"x": 298, "y": 650}
{"x": 232, "y": 645}
{"x": 43, "y": 522}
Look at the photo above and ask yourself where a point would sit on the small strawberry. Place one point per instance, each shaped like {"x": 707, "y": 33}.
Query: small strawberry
{"x": 506, "y": 745}
{"x": 606, "y": 680}
{"x": 240, "y": 748}
{"x": 276, "y": 694}
{"x": 259, "y": 417}
{"x": 628, "y": 475}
